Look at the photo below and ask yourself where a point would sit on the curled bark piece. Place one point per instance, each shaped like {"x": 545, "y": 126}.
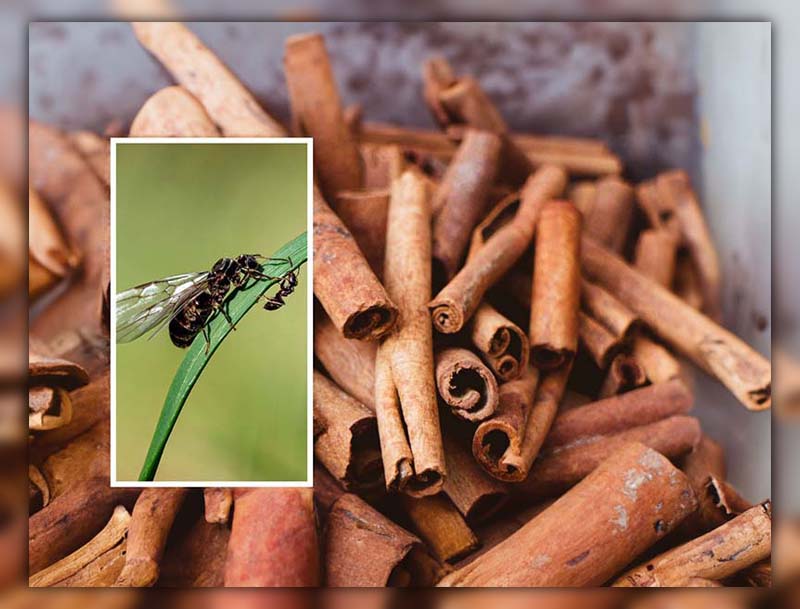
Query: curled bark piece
{"x": 628, "y": 503}
{"x": 655, "y": 256}
{"x": 475, "y": 494}
{"x": 273, "y": 539}
{"x": 84, "y": 458}
{"x": 39, "y": 490}
{"x": 657, "y": 362}
{"x": 611, "y": 215}
{"x": 364, "y": 213}
{"x": 364, "y": 548}
{"x": 173, "y": 112}
{"x": 396, "y": 453}
{"x": 410, "y": 347}
{"x": 723, "y": 552}
{"x": 48, "y": 408}
{"x": 620, "y": 412}
{"x": 674, "y": 186}
{"x": 624, "y": 373}
{"x": 502, "y": 343}
{"x": 465, "y": 384}
{"x": 348, "y": 442}
{"x": 556, "y": 286}
{"x": 351, "y": 363}
{"x": 441, "y": 525}
{"x": 55, "y": 372}
{"x": 217, "y": 505}
{"x": 562, "y": 468}
{"x": 461, "y": 198}
{"x": 96, "y": 149}
{"x": 759, "y": 575}
{"x": 110, "y": 540}
{"x": 455, "y": 304}
{"x": 744, "y": 371}
{"x": 317, "y": 112}
{"x": 602, "y": 306}
{"x": 598, "y": 342}
{"x": 46, "y": 245}
{"x": 231, "y": 106}
{"x": 152, "y": 519}
{"x": 345, "y": 285}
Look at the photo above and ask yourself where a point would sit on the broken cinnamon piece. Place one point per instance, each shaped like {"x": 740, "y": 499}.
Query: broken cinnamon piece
{"x": 442, "y": 527}
{"x": 48, "y": 408}
{"x": 655, "y": 256}
{"x": 38, "y": 489}
{"x": 556, "y": 286}
{"x": 317, "y": 112}
{"x": 49, "y": 371}
{"x": 465, "y": 384}
{"x": 721, "y": 553}
{"x": 173, "y": 112}
{"x": 217, "y": 505}
{"x": 611, "y": 214}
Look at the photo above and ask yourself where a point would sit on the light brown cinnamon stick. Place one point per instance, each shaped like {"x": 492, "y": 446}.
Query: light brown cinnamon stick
{"x": 686, "y": 284}
{"x": 230, "y": 105}
{"x": 745, "y": 372}
{"x": 723, "y": 552}
{"x": 502, "y": 343}
{"x": 657, "y": 362}
{"x": 217, "y": 504}
{"x": 317, "y": 112}
{"x": 603, "y": 307}
{"x": 364, "y": 213}
{"x": 629, "y": 502}
{"x": 173, "y": 112}
{"x": 610, "y": 217}
{"x": 458, "y": 300}
{"x": 150, "y": 523}
{"x": 465, "y": 384}
{"x": 273, "y": 539}
{"x": 655, "y": 255}
{"x": 442, "y": 527}
{"x": 556, "y": 286}
{"x": 598, "y": 342}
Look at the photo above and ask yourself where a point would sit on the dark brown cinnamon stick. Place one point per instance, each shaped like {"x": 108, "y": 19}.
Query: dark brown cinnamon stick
{"x": 465, "y": 384}
{"x": 442, "y": 527}
{"x": 611, "y": 214}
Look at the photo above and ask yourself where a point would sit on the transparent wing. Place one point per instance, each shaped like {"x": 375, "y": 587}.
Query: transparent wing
{"x": 150, "y": 305}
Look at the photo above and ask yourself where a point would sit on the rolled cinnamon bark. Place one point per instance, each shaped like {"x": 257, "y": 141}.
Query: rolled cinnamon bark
{"x": 502, "y": 343}
{"x": 745, "y": 372}
{"x": 150, "y": 524}
{"x": 346, "y": 287}
{"x": 624, "y": 373}
{"x": 556, "y": 286}
{"x": 273, "y": 539}
{"x": 230, "y": 105}
{"x": 84, "y": 458}
{"x": 317, "y": 112}
{"x": 475, "y": 494}
{"x": 398, "y": 460}
{"x": 598, "y": 342}
{"x": 455, "y": 304}
{"x": 582, "y": 194}
{"x": 706, "y": 460}
{"x": 723, "y": 552}
{"x": 382, "y": 164}
{"x": 462, "y": 196}
{"x": 48, "y": 408}
{"x": 620, "y": 412}
{"x": 217, "y": 504}
{"x": 173, "y": 112}
{"x": 45, "y": 370}
{"x": 603, "y": 307}
{"x": 351, "y": 363}
{"x": 561, "y": 468}
{"x": 441, "y": 525}
{"x": 660, "y": 212}
{"x": 364, "y": 548}
{"x": 655, "y": 255}
{"x": 364, "y": 213}
{"x": 410, "y": 347}
{"x": 657, "y": 362}
{"x": 610, "y": 218}
{"x": 348, "y": 442}
{"x": 674, "y": 186}
{"x": 629, "y": 502}
{"x": 465, "y": 384}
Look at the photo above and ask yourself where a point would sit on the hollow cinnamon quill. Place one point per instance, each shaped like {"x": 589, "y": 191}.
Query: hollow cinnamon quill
{"x": 503, "y": 345}
{"x": 611, "y": 214}
{"x": 465, "y": 384}
{"x": 364, "y": 213}
{"x": 623, "y": 374}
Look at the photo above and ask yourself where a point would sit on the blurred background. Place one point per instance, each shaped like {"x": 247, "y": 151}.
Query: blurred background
{"x": 180, "y": 207}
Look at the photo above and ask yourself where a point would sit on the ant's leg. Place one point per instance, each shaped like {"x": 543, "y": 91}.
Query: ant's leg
{"x": 224, "y": 310}
{"x": 207, "y": 337}
{"x": 273, "y": 302}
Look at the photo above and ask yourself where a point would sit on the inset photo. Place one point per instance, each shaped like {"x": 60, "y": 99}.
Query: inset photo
{"x": 210, "y": 312}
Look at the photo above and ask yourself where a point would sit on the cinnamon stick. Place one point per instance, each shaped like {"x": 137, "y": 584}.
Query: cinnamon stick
{"x": 556, "y": 286}
{"x": 217, "y": 505}
{"x": 657, "y": 362}
{"x": 459, "y": 299}
{"x": 46, "y": 244}
{"x": 624, "y": 373}
{"x": 611, "y": 214}
{"x": 229, "y": 104}
{"x": 345, "y": 285}
{"x": 317, "y": 112}
{"x": 723, "y": 552}
{"x": 462, "y": 196}
{"x": 687, "y": 281}
{"x": 45, "y": 370}
{"x": 603, "y": 307}
{"x": 502, "y": 343}
{"x": 655, "y": 256}
{"x": 465, "y": 384}
{"x": 745, "y": 372}
{"x": 598, "y": 342}
{"x": 441, "y": 525}
{"x": 364, "y": 213}
{"x": 84, "y": 458}
{"x": 582, "y": 194}
{"x": 382, "y": 164}
{"x": 629, "y": 502}
{"x": 347, "y": 444}
{"x": 48, "y": 408}
{"x": 150, "y": 523}
{"x": 410, "y": 347}
{"x": 173, "y": 112}
{"x": 273, "y": 539}
{"x": 659, "y": 211}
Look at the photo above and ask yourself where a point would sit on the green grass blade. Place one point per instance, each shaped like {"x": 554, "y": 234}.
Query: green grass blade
{"x": 196, "y": 357}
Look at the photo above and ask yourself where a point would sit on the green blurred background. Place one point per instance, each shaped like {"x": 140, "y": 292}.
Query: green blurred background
{"x": 179, "y": 208}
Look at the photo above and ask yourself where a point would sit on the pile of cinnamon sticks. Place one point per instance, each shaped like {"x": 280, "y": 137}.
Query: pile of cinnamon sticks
{"x": 504, "y": 332}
